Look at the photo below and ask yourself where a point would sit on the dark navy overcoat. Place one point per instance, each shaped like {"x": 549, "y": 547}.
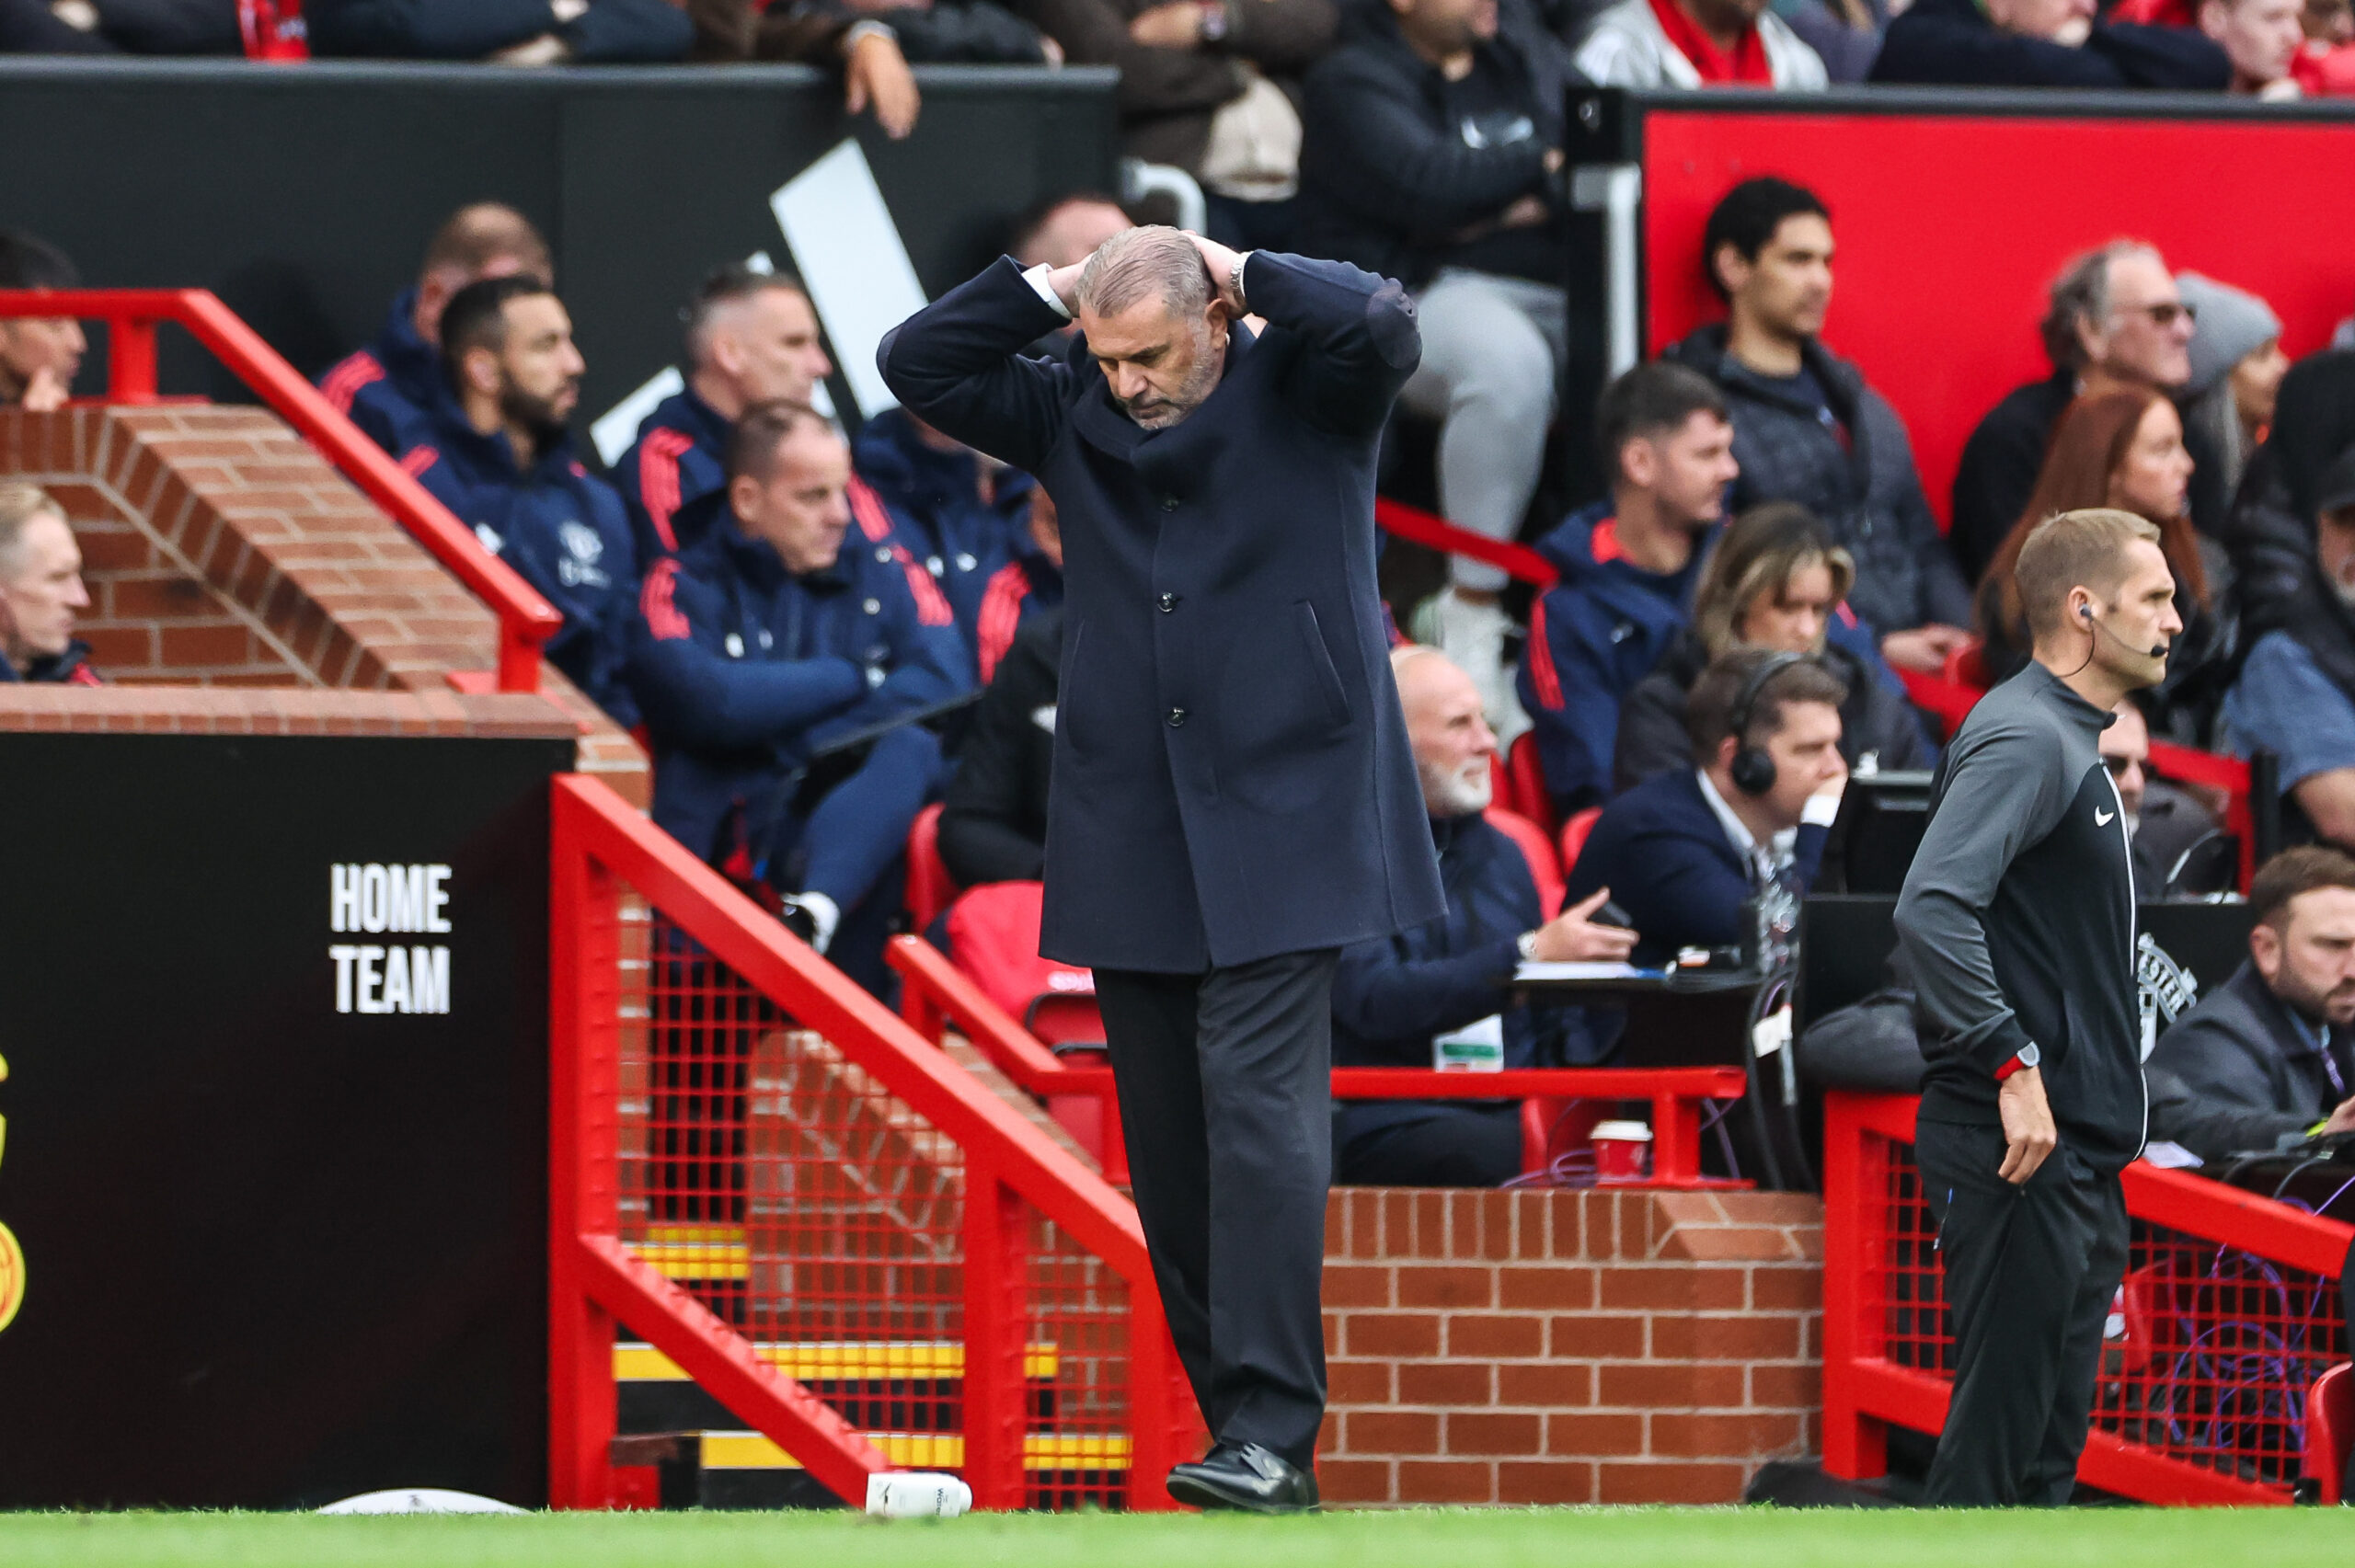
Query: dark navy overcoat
{"x": 1232, "y": 779}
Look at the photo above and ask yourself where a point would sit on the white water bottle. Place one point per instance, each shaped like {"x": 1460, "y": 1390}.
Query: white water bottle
{"x": 917, "y": 1494}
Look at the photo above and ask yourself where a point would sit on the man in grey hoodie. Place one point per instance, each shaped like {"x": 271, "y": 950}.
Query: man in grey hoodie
{"x": 2018, "y": 921}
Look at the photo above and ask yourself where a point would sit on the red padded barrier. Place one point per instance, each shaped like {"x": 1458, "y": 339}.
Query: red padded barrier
{"x": 1950, "y": 226}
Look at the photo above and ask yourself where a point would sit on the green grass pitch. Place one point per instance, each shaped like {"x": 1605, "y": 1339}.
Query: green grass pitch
{"x": 1569, "y": 1538}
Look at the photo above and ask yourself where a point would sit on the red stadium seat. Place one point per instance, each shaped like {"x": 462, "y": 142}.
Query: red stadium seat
{"x": 2330, "y": 1427}
{"x": 1574, "y": 833}
{"x": 930, "y": 887}
{"x": 1967, "y": 666}
{"x": 1527, "y": 777}
{"x": 1537, "y": 849}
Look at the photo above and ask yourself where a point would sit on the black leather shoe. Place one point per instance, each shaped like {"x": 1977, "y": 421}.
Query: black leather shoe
{"x": 1245, "y": 1476}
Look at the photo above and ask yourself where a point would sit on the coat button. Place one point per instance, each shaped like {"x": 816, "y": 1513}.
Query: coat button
{"x": 1169, "y": 503}
{"x": 873, "y": 607}
{"x": 1176, "y": 718}
{"x": 1168, "y": 602}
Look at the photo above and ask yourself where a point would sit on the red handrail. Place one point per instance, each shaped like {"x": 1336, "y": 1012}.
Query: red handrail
{"x": 1864, "y": 1388}
{"x": 597, "y": 840}
{"x": 526, "y": 621}
{"x": 1437, "y": 533}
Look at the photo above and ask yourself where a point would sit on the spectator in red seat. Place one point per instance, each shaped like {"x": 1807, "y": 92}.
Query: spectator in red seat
{"x": 1628, "y": 566}
{"x": 1433, "y": 136}
{"x": 2296, "y": 692}
{"x": 751, "y": 337}
{"x": 1777, "y": 581}
{"x": 1441, "y": 993}
{"x": 1688, "y": 851}
{"x": 41, "y": 588}
{"x": 2236, "y": 370}
{"x": 994, "y": 813}
{"x": 496, "y": 451}
{"x": 389, "y": 387}
{"x": 2041, "y": 43}
{"x": 2267, "y": 1059}
{"x": 502, "y": 33}
{"x": 2125, "y": 450}
{"x": 766, "y": 642}
{"x": 2263, "y": 39}
{"x": 1698, "y": 43}
{"x": 1806, "y": 428}
{"x": 2116, "y": 321}
{"x": 39, "y": 355}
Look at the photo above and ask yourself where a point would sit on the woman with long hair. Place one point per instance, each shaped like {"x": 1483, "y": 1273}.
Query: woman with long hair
{"x": 1776, "y": 581}
{"x": 2123, "y": 450}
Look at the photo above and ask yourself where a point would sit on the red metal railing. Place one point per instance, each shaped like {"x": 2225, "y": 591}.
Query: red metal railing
{"x": 526, "y": 621}
{"x": 1437, "y": 533}
{"x": 754, "y": 1165}
{"x": 2231, "y": 1311}
{"x": 934, "y": 994}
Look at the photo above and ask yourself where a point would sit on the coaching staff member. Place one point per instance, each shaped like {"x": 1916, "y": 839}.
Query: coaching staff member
{"x": 1232, "y": 797}
{"x": 2017, "y": 918}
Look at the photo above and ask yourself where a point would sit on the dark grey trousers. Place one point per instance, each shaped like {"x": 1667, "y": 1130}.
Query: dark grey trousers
{"x": 2031, "y": 1273}
{"x": 1225, "y": 1085}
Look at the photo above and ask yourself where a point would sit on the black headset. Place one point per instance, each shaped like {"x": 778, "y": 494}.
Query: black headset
{"x": 1753, "y": 770}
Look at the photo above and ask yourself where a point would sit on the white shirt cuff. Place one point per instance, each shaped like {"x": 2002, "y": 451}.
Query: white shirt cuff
{"x": 1037, "y": 278}
{"x": 1820, "y": 810}
{"x": 861, "y": 31}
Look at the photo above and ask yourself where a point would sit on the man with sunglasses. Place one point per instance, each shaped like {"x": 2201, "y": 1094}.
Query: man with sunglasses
{"x": 2116, "y": 323}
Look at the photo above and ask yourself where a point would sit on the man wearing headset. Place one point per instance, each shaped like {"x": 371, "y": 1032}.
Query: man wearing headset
{"x": 2017, "y": 918}
{"x": 1691, "y": 854}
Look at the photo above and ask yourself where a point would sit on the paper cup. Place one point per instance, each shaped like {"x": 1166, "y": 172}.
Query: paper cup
{"x": 1621, "y": 1152}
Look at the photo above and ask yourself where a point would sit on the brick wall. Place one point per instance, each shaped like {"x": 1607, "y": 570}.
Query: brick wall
{"x": 193, "y": 710}
{"x": 1568, "y": 1346}
{"x": 223, "y": 552}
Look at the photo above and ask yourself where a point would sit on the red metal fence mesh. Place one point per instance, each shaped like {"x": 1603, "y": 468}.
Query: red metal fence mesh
{"x": 2210, "y": 1353}
{"x": 798, "y": 1198}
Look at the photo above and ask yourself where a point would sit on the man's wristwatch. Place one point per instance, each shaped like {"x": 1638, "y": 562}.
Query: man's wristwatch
{"x": 2027, "y": 1056}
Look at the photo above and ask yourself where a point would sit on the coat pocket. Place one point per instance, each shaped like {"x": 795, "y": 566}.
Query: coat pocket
{"x": 1319, "y": 657}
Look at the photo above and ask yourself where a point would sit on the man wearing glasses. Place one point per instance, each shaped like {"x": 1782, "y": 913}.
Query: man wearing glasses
{"x": 2116, "y": 323}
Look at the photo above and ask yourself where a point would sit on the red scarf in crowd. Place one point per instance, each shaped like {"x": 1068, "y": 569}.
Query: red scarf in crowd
{"x": 1744, "y": 63}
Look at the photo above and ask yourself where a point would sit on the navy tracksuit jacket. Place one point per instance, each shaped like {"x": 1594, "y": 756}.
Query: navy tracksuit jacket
{"x": 557, "y": 525}
{"x": 743, "y": 669}
{"x": 936, "y": 502}
{"x": 389, "y": 388}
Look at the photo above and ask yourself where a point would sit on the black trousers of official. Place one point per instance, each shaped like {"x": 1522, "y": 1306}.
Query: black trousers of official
{"x": 1226, "y": 1086}
{"x": 2030, "y": 1273}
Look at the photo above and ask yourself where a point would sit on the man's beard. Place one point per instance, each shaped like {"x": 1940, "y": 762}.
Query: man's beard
{"x": 1151, "y": 411}
{"x": 1459, "y": 792}
{"x": 536, "y": 414}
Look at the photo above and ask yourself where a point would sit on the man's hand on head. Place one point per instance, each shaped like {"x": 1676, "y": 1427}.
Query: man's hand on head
{"x": 2028, "y": 1134}
{"x": 1572, "y": 937}
{"x": 1222, "y": 263}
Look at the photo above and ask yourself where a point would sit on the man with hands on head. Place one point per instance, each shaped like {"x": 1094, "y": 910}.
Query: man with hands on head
{"x": 1234, "y": 798}
{"x": 1440, "y": 995}
{"x": 2018, "y": 921}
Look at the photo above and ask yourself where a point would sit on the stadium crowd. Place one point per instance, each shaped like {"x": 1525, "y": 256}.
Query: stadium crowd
{"x": 818, "y": 638}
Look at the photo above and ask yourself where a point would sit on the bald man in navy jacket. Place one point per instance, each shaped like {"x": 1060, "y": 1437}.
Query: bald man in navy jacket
{"x": 1233, "y": 799}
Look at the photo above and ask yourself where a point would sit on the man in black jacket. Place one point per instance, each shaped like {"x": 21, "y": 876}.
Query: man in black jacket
{"x": 2042, "y": 43}
{"x": 2268, "y": 1059}
{"x": 2115, "y": 322}
{"x": 1806, "y": 428}
{"x": 2018, "y": 922}
{"x": 1439, "y": 995}
{"x": 1431, "y": 138}
{"x": 1234, "y": 799}
{"x": 994, "y": 816}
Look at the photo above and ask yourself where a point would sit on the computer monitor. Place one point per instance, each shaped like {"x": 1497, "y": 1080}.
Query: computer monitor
{"x": 1873, "y": 839}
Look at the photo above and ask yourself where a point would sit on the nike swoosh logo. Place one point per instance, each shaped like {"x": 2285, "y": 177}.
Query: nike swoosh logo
{"x": 2104, "y": 819}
